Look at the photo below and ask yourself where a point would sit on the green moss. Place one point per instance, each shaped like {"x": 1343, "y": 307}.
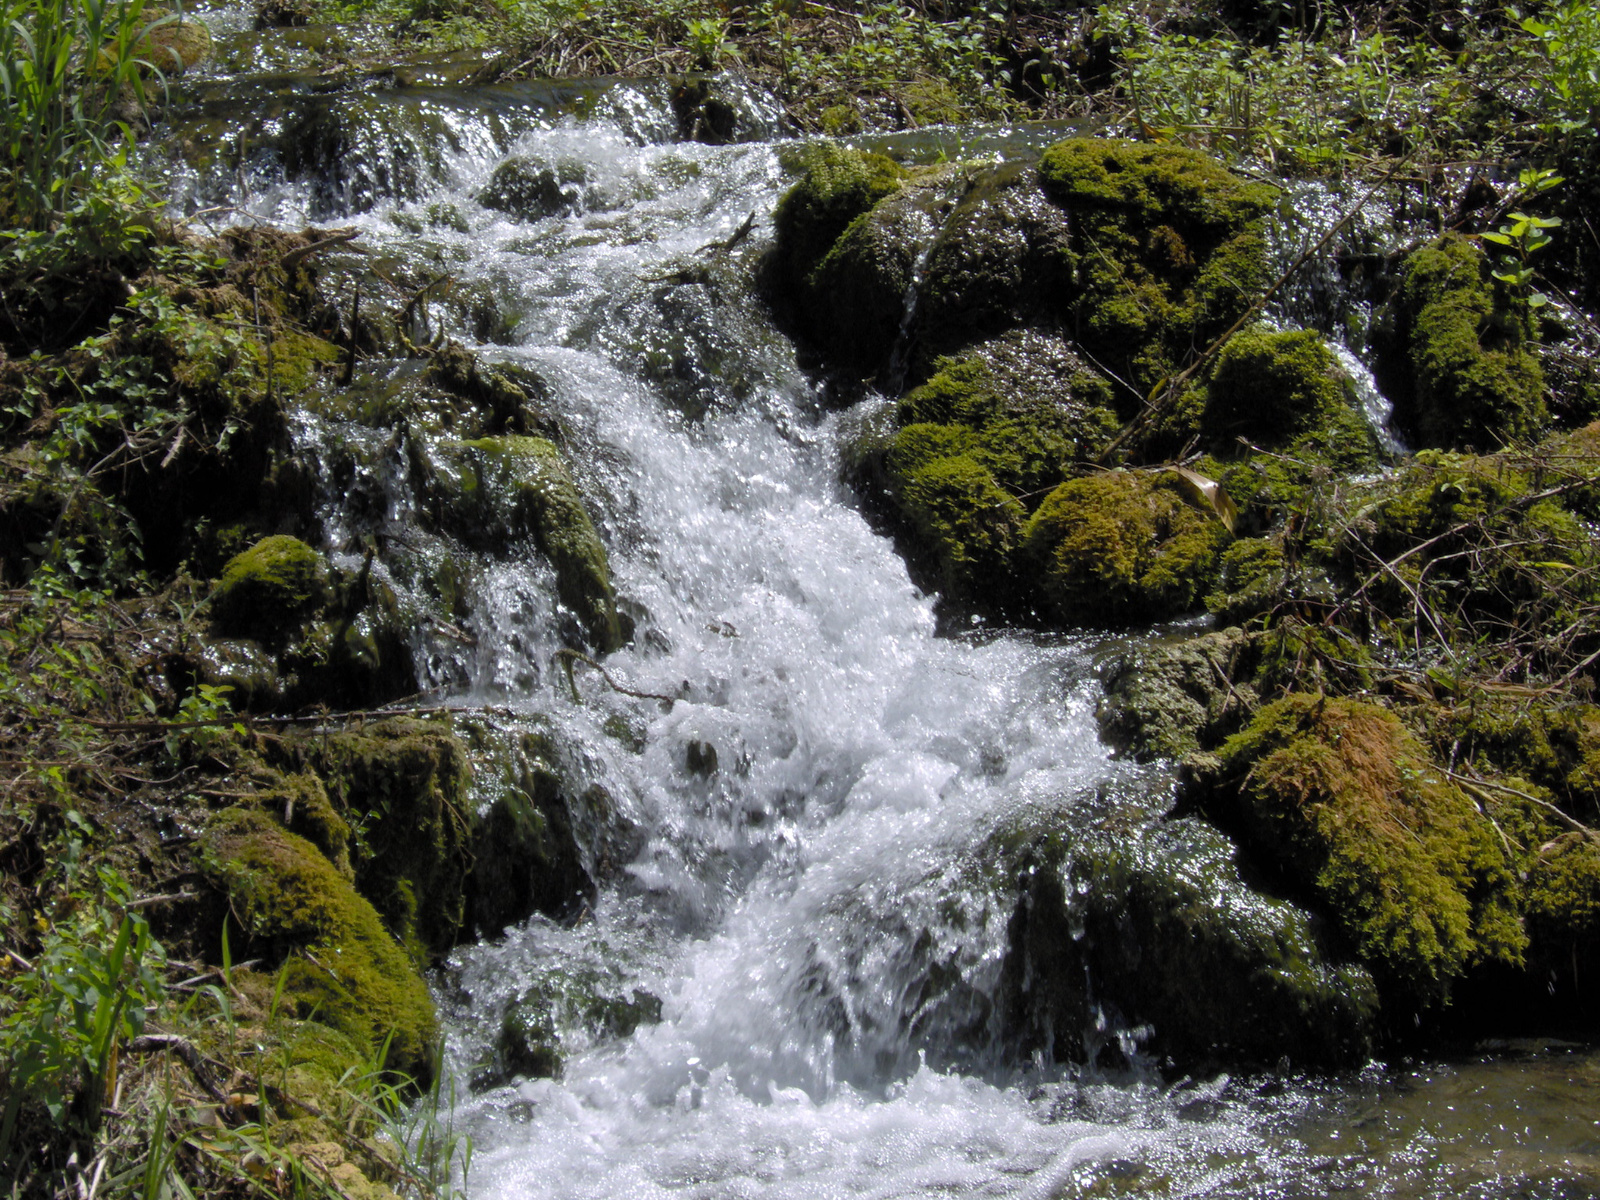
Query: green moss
{"x": 299, "y": 359}
{"x": 579, "y": 1006}
{"x": 270, "y": 587}
{"x": 1475, "y": 384}
{"x": 836, "y": 186}
{"x": 1166, "y": 250}
{"x": 1122, "y": 547}
{"x": 1271, "y": 388}
{"x": 957, "y": 512}
{"x": 341, "y": 967}
{"x": 1250, "y": 580}
{"x": 302, "y": 803}
{"x": 1556, "y": 746}
{"x": 406, "y": 782}
{"x": 1336, "y": 799}
{"x": 518, "y": 487}
{"x": 1563, "y": 907}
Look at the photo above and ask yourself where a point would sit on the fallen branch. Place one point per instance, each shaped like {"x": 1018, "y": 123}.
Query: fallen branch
{"x": 300, "y": 253}
{"x": 1570, "y": 822}
{"x": 567, "y": 657}
{"x": 184, "y": 1049}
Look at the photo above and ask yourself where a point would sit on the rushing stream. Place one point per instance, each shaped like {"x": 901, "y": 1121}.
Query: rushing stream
{"x": 812, "y": 895}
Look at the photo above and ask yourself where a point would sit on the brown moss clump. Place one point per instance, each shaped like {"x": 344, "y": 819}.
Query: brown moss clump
{"x": 1341, "y": 802}
{"x": 1123, "y": 546}
{"x": 340, "y": 966}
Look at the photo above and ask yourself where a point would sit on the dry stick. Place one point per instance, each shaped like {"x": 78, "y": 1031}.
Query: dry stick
{"x": 350, "y": 360}
{"x": 568, "y": 656}
{"x": 1571, "y": 822}
{"x": 300, "y": 253}
{"x": 1520, "y": 502}
{"x": 1167, "y": 392}
{"x": 152, "y": 1043}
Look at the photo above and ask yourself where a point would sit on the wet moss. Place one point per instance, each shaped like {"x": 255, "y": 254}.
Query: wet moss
{"x": 1336, "y": 800}
{"x": 1250, "y": 580}
{"x": 517, "y": 487}
{"x": 1170, "y": 701}
{"x": 1121, "y": 547}
{"x": 999, "y": 261}
{"x": 340, "y": 966}
{"x": 1563, "y": 908}
{"x": 270, "y": 587}
{"x": 1166, "y": 251}
{"x": 1473, "y": 381}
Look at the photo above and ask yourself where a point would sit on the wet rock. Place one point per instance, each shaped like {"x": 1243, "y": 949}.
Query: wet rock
{"x": 1117, "y": 927}
{"x": 837, "y": 185}
{"x": 564, "y": 1011}
{"x": 405, "y": 783}
{"x": 1339, "y": 805}
{"x": 543, "y": 841}
{"x": 1170, "y": 701}
{"x": 1000, "y": 260}
{"x": 979, "y": 444}
{"x": 530, "y": 188}
{"x": 514, "y": 489}
{"x": 700, "y": 758}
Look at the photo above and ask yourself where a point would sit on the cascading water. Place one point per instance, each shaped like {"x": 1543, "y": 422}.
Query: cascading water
{"x": 809, "y": 930}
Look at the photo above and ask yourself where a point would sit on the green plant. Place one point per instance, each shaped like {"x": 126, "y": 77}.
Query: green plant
{"x": 69, "y": 71}
{"x": 1569, "y": 88}
{"x": 95, "y": 980}
{"x": 1523, "y": 236}
{"x": 707, "y": 40}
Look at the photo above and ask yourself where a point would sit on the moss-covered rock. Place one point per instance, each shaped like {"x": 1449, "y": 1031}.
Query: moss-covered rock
{"x": 1116, "y": 929}
{"x": 1286, "y": 391}
{"x": 1170, "y": 701}
{"x": 406, "y": 783}
{"x": 1166, "y": 251}
{"x": 980, "y": 443}
{"x": 517, "y": 489}
{"x": 340, "y": 966}
{"x": 1459, "y": 367}
{"x": 1123, "y": 546}
{"x": 270, "y": 587}
{"x": 836, "y": 186}
{"x": 1335, "y": 800}
{"x": 852, "y": 304}
{"x": 1563, "y": 910}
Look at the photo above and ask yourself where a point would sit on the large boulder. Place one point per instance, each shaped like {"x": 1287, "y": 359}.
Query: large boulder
{"x": 1337, "y": 803}
{"x": 1121, "y": 921}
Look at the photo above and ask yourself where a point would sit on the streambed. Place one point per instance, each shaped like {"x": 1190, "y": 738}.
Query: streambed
{"x": 812, "y": 915}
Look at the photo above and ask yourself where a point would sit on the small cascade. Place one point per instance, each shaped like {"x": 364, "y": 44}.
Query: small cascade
{"x": 791, "y": 978}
